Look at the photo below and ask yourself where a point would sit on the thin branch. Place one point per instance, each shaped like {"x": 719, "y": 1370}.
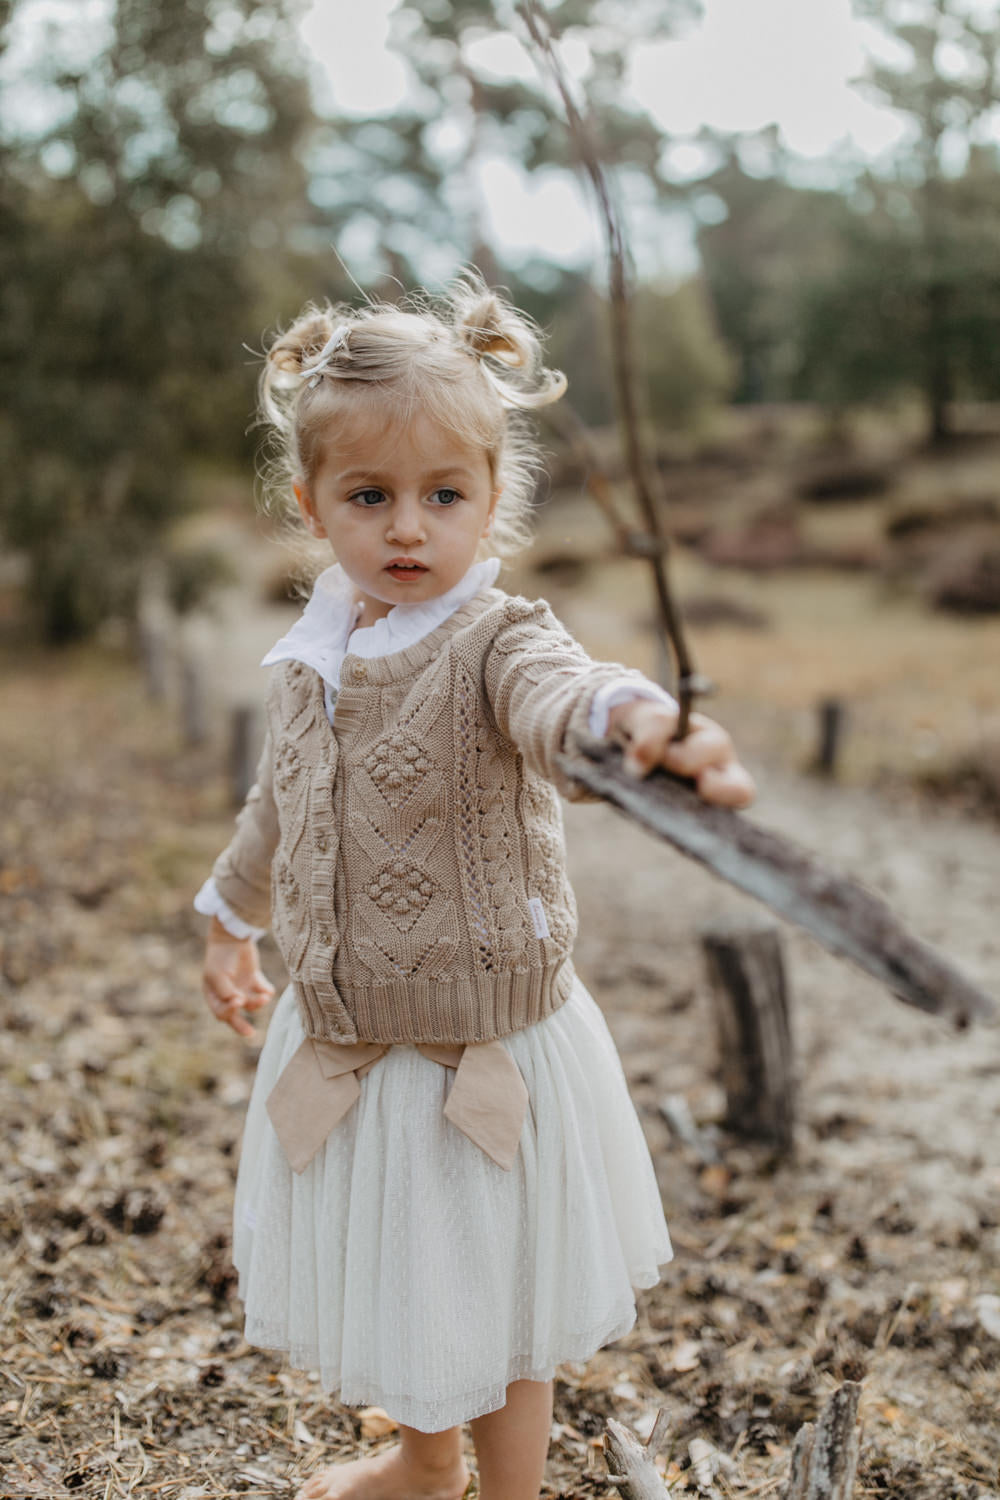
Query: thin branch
{"x": 689, "y": 683}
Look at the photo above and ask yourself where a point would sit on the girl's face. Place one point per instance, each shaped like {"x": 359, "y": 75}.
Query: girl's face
{"x": 404, "y": 509}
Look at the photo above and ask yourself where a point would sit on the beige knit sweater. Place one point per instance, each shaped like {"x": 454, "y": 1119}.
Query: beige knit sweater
{"x": 412, "y": 856}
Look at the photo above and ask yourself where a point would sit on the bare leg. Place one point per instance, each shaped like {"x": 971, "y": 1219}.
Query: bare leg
{"x": 512, "y": 1443}
{"x": 424, "y": 1466}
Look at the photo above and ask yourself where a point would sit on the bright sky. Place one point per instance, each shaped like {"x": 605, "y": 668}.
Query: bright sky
{"x": 748, "y": 64}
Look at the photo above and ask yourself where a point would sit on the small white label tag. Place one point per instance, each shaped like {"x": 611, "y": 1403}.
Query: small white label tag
{"x": 538, "y": 917}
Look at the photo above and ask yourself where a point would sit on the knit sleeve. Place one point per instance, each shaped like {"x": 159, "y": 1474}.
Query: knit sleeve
{"x": 541, "y": 684}
{"x": 242, "y": 872}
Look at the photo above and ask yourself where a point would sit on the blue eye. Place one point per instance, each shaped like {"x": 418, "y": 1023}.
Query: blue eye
{"x": 368, "y": 499}
{"x": 446, "y": 496}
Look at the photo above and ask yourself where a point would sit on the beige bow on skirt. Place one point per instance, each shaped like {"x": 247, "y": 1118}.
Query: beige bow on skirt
{"x": 320, "y": 1083}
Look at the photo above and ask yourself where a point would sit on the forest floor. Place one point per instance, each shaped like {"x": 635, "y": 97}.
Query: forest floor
{"x": 871, "y": 1255}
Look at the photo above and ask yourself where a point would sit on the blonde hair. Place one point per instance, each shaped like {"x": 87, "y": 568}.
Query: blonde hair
{"x": 468, "y": 360}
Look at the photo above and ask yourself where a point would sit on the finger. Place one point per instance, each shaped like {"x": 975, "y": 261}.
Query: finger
{"x": 227, "y": 1003}
{"x": 648, "y": 733}
{"x": 707, "y": 745}
{"x": 233, "y": 1016}
{"x": 219, "y": 988}
{"x": 727, "y": 786}
{"x": 257, "y": 992}
{"x": 254, "y": 1001}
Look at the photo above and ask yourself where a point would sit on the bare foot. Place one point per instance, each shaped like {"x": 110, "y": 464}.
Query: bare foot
{"x": 387, "y": 1476}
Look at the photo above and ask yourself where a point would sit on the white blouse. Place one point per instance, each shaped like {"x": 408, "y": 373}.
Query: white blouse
{"x": 325, "y": 633}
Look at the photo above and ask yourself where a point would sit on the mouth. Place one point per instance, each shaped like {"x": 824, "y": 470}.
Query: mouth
{"x": 406, "y": 568}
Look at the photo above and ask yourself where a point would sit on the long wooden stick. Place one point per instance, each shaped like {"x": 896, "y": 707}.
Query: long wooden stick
{"x": 848, "y": 919}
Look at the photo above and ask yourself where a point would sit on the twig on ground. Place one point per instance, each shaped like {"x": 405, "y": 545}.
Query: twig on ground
{"x": 631, "y": 1468}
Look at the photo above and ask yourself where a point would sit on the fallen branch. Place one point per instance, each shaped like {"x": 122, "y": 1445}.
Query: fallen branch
{"x": 848, "y": 919}
{"x": 825, "y": 1456}
{"x": 630, "y": 1464}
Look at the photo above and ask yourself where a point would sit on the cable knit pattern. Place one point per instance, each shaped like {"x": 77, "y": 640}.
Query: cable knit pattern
{"x": 400, "y": 879}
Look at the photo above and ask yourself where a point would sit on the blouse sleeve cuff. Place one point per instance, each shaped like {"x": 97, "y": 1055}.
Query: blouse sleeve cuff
{"x": 209, "y": 902}
{"x": 623, "y": 691}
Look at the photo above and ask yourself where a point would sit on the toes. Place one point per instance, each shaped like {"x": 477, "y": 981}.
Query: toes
{"x": 313, "y": 1489}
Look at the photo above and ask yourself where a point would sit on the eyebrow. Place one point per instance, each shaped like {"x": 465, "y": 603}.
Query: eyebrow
{"x": 451, "y": 471}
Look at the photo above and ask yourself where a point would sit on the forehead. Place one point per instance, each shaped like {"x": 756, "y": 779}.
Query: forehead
{"x": 379, "y": 441}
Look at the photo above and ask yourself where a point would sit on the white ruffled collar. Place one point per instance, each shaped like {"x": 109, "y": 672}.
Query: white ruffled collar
{"x": 324, "y": 633}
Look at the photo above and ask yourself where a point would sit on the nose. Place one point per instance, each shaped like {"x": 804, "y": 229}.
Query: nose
{"x": 406, "y": 521}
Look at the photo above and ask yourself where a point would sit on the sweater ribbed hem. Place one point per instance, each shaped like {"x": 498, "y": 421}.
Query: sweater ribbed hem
{"x": 477, "y": 1008}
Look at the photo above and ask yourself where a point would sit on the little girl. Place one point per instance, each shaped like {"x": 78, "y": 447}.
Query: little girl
{"x": 444, "y": 1190}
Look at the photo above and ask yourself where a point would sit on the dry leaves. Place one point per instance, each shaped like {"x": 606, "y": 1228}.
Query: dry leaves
{"x": 122, "y": 1366}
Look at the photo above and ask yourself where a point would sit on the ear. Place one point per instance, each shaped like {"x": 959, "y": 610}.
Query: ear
{"x": 491, "y": 513}
{"x": 307, "y": 510}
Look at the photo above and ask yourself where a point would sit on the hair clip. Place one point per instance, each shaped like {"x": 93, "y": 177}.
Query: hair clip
{"x": 315, "y": 371}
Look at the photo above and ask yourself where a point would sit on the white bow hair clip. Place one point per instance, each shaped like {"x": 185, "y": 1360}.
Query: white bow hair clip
{"x": 315, "y": 371}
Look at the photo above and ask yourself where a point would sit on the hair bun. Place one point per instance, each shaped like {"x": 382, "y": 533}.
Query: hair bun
{"x": 490, "y": 329}
{"x": 302, "y": 343}
{"x": 485, "y": 325}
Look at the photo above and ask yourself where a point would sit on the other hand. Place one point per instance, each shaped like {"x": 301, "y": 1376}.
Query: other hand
{"x": 707, "y": 755}
{"x": 232, "y": 980}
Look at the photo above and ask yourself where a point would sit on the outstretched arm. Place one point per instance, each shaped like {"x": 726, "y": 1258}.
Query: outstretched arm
{"x": 544, "y": 689}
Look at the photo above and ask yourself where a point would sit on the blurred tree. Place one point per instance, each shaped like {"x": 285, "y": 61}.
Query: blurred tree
{"x": 763, "y": 242}
{"x": 515, "y": 117}
{"x": 941, "y": 204}
{"x": 400, "y": 179}
{"x": 687, "y": 368}
{"x": 139, "y": 227}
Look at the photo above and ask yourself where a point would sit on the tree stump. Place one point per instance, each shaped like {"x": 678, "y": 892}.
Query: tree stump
{"x": 750, "y": 995}
{"x": 825, "y": 1456}
{"x": 194, "y": 701}
{"x": 154, "y": 620}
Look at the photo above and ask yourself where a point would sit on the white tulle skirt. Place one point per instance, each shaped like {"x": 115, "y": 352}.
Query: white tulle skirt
{"x": 414, "y": 1273}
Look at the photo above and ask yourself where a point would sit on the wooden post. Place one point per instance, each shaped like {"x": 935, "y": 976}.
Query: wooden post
{"x": 194, "y": 641}
{"x": 153, "y": 651}
{"x": 747, "y": 975}
{"x": 242, "y": 750}
{"x": 194, "y": 705}
{"x": 832, "y": 719}
{"x": 825, "y": 1456}
{"x": 154, "y": 619}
